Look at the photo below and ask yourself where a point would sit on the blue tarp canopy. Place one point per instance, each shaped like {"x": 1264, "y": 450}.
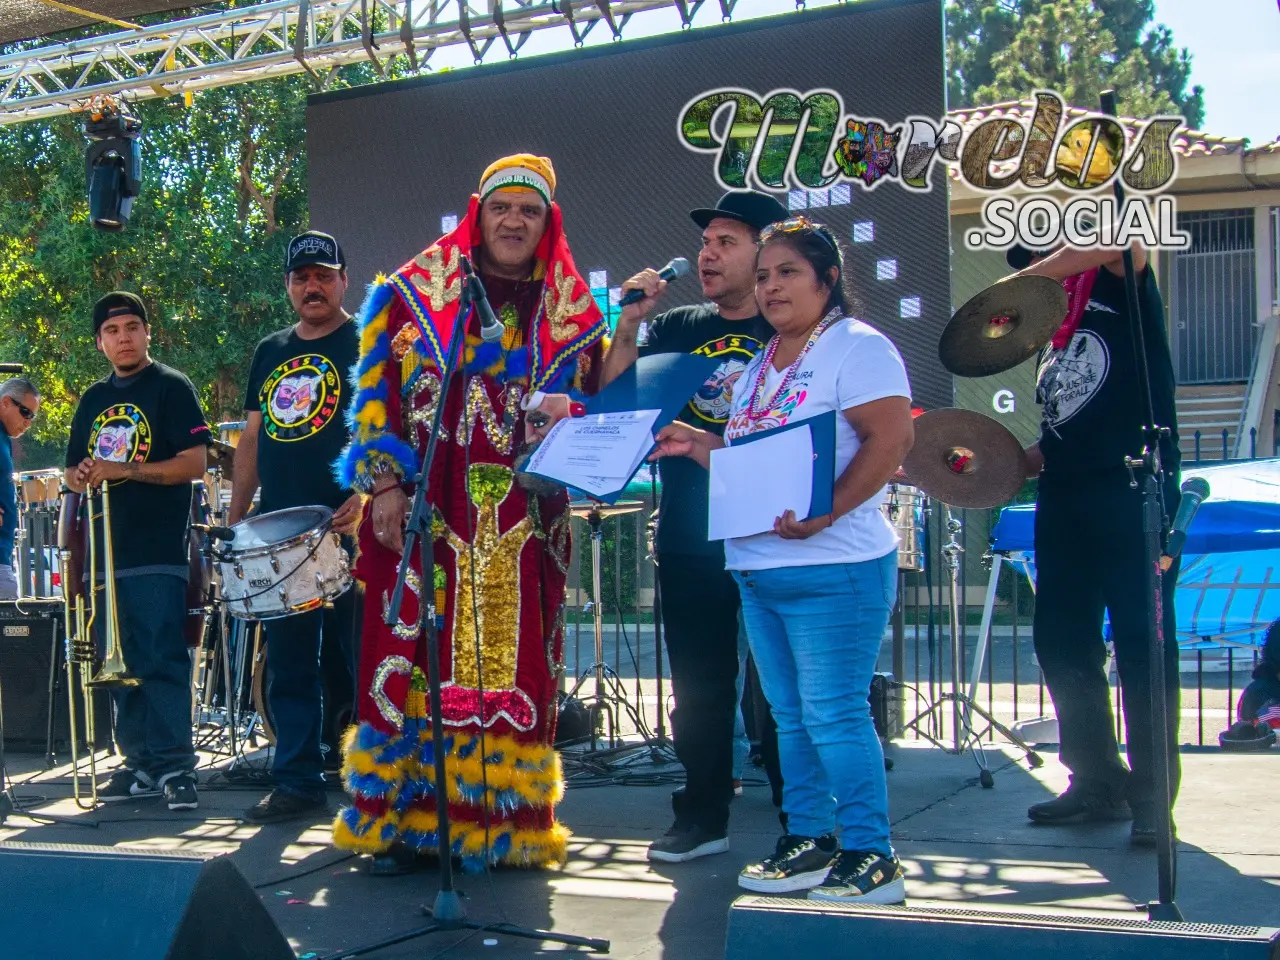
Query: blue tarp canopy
{"x": 1229, "y": 585}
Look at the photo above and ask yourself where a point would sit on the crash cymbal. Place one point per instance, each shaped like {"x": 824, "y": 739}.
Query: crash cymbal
{"x": 965, "y": 459}
{"x": 1002, "y": 326}
{"x": 221, "y": 455}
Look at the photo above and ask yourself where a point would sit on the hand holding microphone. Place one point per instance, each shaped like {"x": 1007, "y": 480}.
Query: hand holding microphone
{"x": 641, "y": 292}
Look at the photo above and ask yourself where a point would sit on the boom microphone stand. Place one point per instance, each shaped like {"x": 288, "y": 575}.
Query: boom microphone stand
{"x": 1149, "y": 469}
{"x": 447, "y": 913}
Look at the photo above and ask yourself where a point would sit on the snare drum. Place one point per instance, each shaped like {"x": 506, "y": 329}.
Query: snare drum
{"x": 904, "y": 507}
{"x": 39, "y": 487}
{"x": 282, "y": 563}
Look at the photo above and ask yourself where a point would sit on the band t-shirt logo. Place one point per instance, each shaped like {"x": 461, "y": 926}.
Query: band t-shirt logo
{"x": 714, "y": 399}
{"x": 1070, "y": 378}
{"x": 120, "y": 434}
{"x": 299, "y": 386}
{"x": 300, "y": 397}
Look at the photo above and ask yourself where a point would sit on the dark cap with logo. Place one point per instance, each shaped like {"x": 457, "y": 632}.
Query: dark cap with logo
{"x": 314, "y": 249}
{"x": 757, "y": 210}
{"x": 118, "y": 303}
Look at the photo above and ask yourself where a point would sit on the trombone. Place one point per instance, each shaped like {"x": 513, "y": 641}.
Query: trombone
{"x": 81, "y": 648}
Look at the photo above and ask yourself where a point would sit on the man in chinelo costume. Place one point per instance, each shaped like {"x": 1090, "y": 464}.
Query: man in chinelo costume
{"x": 501, "y": 544}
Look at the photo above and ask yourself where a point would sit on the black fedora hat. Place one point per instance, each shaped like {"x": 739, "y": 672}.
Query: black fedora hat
{"x": 757, "y": 210}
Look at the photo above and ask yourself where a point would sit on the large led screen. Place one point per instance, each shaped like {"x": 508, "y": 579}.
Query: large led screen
{"x": 391, "y": 165}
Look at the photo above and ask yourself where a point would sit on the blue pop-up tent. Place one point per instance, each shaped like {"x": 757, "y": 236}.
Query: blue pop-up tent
{"x": 1229, "y": 586}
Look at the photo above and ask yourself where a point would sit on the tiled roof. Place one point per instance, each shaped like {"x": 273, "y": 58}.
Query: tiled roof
{"x": 1186, "y": 143}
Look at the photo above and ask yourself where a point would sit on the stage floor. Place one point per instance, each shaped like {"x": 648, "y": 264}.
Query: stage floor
{"x": 958, "y": 842}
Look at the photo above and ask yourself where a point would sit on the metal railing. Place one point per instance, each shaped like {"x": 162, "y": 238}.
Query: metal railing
{"x": 916, "y": 648}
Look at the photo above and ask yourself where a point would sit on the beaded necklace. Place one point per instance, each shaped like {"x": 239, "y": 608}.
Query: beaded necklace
{"x": 757, "y": 409}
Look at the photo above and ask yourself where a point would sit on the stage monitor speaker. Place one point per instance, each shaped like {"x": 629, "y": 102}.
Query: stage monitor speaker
{"x": 63, "y": 902}
{"x": 768, "y": 926}
{"x": 32, "y": 664}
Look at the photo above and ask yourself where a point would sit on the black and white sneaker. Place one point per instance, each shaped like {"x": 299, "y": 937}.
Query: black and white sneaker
{"x": 180, "y": 791}
{"x": 126, "y": 784}
{"x": 798, "y": 863}
{"x": 863, "y": 878}
{"x": 687, "y": 843}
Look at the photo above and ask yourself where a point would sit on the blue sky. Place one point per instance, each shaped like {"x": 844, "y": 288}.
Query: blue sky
{"x": 1235, "y": 45}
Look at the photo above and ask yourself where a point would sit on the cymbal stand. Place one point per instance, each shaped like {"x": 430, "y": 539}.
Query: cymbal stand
{"x": 963, "y": 735}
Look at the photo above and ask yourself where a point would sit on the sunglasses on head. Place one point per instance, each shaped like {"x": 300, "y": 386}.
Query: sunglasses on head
{"x": 796, "y": 225}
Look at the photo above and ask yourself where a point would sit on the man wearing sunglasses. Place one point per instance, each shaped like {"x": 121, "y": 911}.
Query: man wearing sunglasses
{"x": 700, "y": 602}
{"x": 19, "y": 404}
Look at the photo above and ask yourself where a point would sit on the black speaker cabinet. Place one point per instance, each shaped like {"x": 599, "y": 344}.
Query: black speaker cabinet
{"x": 768, "y": 926}
{"x": 33, "y": 679}
{"x": 66, "y": 902}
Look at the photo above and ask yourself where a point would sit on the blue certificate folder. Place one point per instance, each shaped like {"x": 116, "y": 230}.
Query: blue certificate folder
{"x": 823, "y": 432}
{"x": 664, "y": 381}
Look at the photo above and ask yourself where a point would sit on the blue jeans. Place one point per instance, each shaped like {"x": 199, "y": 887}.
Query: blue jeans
{"x": 153, "y": 719}
{"x": 295, "y": 689}
{"x": 815, "y": 635}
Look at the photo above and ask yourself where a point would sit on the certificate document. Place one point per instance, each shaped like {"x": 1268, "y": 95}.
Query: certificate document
{"x": 597, "y": 454}
{"x": 752, "y": 484}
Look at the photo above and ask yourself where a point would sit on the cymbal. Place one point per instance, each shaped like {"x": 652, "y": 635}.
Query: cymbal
{"x": 1002, "y": 326}
{"x": 221, "y": 455}
{"x": 586, "y": 508}
{"x": 965, "y": 459}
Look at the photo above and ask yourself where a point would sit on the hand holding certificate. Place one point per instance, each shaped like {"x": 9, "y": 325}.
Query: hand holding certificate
{"x": 596, "y": 454}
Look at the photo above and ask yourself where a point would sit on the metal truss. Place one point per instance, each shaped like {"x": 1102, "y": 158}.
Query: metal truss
{"x": 285, "y": 37}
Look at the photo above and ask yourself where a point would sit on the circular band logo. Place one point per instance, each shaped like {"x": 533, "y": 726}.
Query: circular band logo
{"x": 120, "y": 434}
{"x": 714, "y": 398}
{"x": 300, "y": 397}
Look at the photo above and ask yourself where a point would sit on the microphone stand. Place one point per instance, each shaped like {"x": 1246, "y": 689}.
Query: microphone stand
{"x": 1148, "y": 471}
{"x": 448, "y": 912}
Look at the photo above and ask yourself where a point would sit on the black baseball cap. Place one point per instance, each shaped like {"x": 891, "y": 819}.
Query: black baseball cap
{"x": 314, "y": 249}
{"x": 757, "y": 210}
{"x": 118, "y": 303}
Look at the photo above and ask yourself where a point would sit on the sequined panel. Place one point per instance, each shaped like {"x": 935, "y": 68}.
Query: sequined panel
{"x": 388, "y": 667}
{"x": 421, "y": 409}
{"x": 479, "y": 408}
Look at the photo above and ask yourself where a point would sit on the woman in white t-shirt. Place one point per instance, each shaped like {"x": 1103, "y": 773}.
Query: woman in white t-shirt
{"x": 816, "y": 593}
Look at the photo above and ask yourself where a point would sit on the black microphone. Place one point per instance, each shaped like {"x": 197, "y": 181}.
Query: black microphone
{"x": 490, "y": 326}
{"x": 218, "y": 533}
{"x": 679, "y": 267}
{"x": 1194, "y": 491}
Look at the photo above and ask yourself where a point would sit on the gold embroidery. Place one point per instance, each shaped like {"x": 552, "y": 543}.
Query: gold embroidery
{"x": 423, "y": 414}
{"x": 555, "y": 640}
{"x": 403, "y": 342}
{"x": 501, "y": 433}
{"x": 584, "y": 368}
{"x": 497, "y": 582}
{"x": 406, "y": 629}
{"x": 437, "y": 286}
{"x": 561, "y": 307}
{"x": 561, "y": 545}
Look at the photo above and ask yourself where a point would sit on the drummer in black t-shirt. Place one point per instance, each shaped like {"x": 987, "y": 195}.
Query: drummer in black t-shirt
{"x": 295, "y": 408}
{"x": 700, "y": 600}
{"x": 1090, "y": 555}
{"x": 141, "y": 431}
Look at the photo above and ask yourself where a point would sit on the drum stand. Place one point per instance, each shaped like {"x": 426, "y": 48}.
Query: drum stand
{"x": 963, "y": 706}
{"x": 447, "y": 913}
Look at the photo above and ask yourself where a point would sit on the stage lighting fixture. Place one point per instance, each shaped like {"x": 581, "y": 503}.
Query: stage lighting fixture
{"x": 112, "y": 164}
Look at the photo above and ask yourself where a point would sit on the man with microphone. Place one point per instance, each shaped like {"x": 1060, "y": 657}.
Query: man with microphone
{"x": 1089, "y": 540}
{"x": 700, "y": 601}
{"x": 500, "y": 538}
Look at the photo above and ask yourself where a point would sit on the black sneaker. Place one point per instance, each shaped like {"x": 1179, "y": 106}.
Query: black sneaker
{"x": 125, "y": 784}
{"x": 863, "y": 878}
{"x": 1143, "y": 831}
{"x": 1079, "y": 806}
{"x": 280, "y": 805}
{"x": 687, "y": 843}
{"x": 798, "y": 863}
{"x": 180, "y": 791}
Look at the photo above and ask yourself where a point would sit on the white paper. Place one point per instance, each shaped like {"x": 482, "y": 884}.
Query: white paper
{"x": 753, "y": 484}
{"x": 597, "y": 454}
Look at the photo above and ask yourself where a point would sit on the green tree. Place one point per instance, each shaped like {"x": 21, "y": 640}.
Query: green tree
{"x": 1001, "y": 50}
